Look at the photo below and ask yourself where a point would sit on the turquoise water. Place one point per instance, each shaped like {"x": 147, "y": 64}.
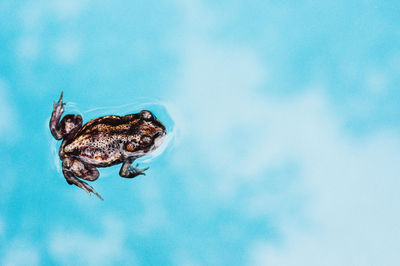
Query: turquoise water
{"x": 283, "y": 132}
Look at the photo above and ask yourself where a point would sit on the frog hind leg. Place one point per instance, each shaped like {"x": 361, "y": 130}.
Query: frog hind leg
{"x": 68, "y": 126}
{"x": 128, "y": 171}
{"x": 72, "y": 169}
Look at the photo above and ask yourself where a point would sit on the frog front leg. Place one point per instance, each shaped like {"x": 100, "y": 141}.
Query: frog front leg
{"x": 128, "y": 171}
{"x": 68, "y": 126}
{"x": 73, "y": 168}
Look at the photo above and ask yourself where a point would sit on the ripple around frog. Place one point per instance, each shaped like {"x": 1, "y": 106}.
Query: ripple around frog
{"x": 158, "y": 108}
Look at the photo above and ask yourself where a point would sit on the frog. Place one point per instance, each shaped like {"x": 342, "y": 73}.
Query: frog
{"x": 102, "y": 142}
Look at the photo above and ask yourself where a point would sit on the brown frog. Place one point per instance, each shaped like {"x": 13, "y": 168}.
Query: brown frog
{"x": 103, "y": 142}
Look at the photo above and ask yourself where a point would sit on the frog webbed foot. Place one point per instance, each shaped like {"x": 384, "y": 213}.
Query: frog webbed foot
{"x": 137, "y": 171}
{"x": 68, "y": 126}
{"x": 71, "y": 179}
{"x": 74, "y": 168}
{"x": 128, "y": 171}
{"x": 54, "y": 123}
{"x": 58, "y": 108}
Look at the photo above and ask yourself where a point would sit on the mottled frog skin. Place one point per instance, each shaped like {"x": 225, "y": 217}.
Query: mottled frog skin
{"x": 103, "y": 142}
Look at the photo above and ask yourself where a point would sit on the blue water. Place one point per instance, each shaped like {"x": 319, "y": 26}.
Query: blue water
{"x": 283, "y": 132}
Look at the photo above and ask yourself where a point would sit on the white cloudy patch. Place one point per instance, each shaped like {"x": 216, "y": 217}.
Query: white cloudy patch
{"x": 199, "y": 20}
{"x": 31, "y": 15}
{"x": 184, "y": 259}
{"x": 222, "y": 112}
{"x": 154, "y": 218}
{"x": 67, "y": 49}
{"x": 68, "y": 9}
{"x": 340, "y": 208}
{"x": 35, "y": 15}
{"x": 351, "y": 186}
{"x": 20, "y": 252}
{"x": 338, "y": 205}
{"x": 217, "y": 104}
{"x": 353, "y": 211}
{"x": 28, "y": 47}
{"x": 80, "y": 248}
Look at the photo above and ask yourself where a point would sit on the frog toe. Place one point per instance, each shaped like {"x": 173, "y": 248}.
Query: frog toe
{"x": 128, "y": 171}
{"x": 137, "y": 171}
{"x": 59, "y": 106}
{"x": 89, "y": 189}
{"x": 54, "y": 122}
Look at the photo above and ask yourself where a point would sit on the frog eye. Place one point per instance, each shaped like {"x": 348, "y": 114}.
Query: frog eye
{"x": 130, "y": 146}
{"x": 145, "y": 140}
{"x": 146, "y": 115}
